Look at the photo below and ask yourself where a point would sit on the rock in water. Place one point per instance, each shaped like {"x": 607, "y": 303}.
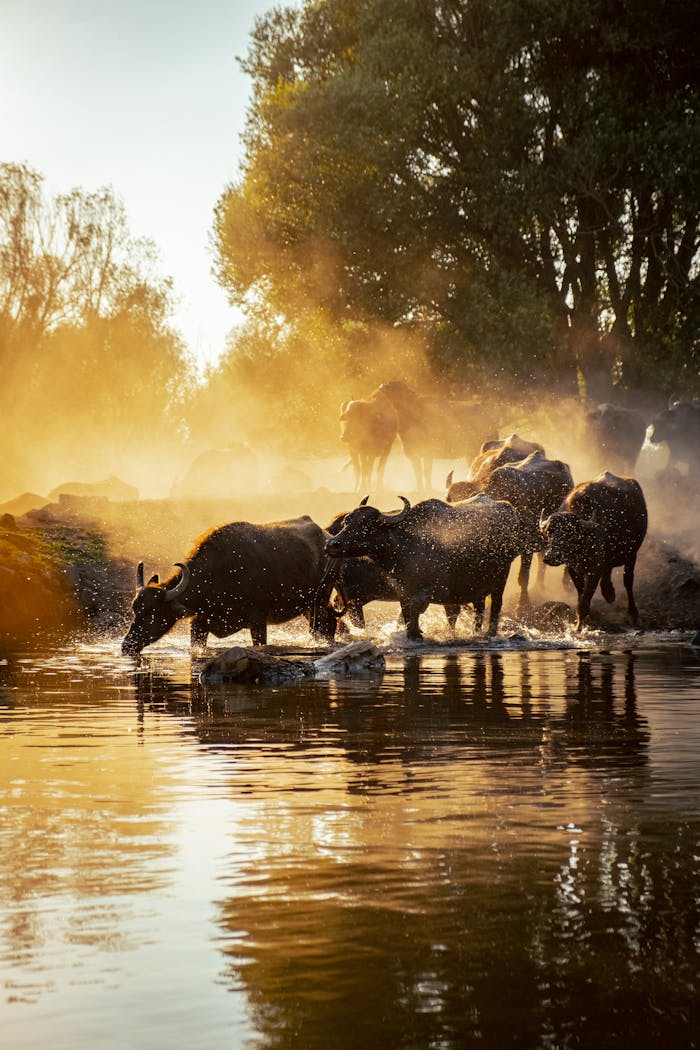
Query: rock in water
{"x": 252, "y": 666}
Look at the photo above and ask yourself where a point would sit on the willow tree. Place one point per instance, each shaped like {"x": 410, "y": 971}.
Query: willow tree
{"x": 518, "y": 177}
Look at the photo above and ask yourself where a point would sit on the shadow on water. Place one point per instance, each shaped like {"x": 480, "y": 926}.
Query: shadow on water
{"x": 491, "y": 847}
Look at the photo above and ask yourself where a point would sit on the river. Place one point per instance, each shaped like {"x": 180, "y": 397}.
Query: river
{"x": 490, "y": 846}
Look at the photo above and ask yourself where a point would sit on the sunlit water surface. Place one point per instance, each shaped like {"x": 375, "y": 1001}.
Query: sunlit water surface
{"x": 494, "y": 847}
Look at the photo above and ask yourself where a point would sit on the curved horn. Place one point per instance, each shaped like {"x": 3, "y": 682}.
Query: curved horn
{"x": 543, "y": 520}
{"x": 363, "y": 501}
{"x": 448, "y": 479}
{"x": 182, "y": 584}
{"x": 399, "y": 515}
{"x": 139, "y": 575}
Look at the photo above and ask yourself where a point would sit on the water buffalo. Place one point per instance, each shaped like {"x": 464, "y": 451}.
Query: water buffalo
{"x": 679, "y": 427}
{"x": 111, "y": 488}
{"x": 601, "y": 525}
{"x": 534, "y": 486}
{"x": 359, "y": 581}
{"x": 437, "y": 428}
{"x": 368, "y": 427}
{"x": 492, "y": 455}
{"x": 218, "y": 472}
{"x": 617, "y": 433}
{"x": 239, "y": 575}
{"x": 453, "y": 555}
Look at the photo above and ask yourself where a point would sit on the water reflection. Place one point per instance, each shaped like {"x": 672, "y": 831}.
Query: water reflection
{"x": 494, "y": 846}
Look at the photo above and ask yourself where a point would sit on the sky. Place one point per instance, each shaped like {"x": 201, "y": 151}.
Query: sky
{"x": 145, "y": 96}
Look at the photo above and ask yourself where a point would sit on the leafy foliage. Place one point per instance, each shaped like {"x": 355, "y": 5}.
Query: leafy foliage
{"x": 520, "y": 177}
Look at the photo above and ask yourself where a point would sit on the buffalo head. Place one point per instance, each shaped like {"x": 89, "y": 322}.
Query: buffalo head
{"x": 360, "y": 530}
{"x": 568, "y": 539}
{"x": 156, "y": 607}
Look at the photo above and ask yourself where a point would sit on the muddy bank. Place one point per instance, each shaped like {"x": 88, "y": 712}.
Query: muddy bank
{"x": 70, "y": 566}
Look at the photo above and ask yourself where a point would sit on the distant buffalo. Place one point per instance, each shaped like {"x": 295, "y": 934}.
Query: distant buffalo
{"x": 618, "y": 435}
{"x": 438, "y": 428}
{"x": 368, "y": 427}
{"x": 218, "y": 473}
{"x": 679, "y": 427}
{"x": 111, "y": 488}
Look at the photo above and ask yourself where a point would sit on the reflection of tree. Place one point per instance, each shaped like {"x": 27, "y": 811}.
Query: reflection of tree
{"x": 83, "y": 803}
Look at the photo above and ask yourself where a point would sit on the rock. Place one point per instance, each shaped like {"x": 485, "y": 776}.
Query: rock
{"x": 252, "y": 666}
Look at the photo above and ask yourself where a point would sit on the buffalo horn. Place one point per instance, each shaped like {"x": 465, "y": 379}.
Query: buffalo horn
{"x": 182, "y": 584}
{"x": 543, "y": 520}
{"x": 399, "y": 515}
{"x": 448, "y": 479}
{"x": 139, "y": 575}
{"x": 363, "y": 501}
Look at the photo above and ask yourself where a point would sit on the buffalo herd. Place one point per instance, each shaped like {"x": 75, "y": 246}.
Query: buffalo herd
{"x": 456, "y": 551}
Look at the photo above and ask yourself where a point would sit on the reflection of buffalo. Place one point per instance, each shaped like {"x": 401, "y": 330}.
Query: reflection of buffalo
{"x": 601, "y": 525}
{"x": 237, "y": 576}
{"x": 111, "y": 488}
{"x": 437, "y": 428}
{"x": 218, "y": 473}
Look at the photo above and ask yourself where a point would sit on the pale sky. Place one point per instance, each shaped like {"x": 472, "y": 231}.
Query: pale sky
{"x": 145, "y": 96}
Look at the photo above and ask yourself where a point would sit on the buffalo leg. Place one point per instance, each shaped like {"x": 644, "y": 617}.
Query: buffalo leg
{"x": 199, "y": 632}
{"x": 452, "y": 613}
{"x": 495, "y": 610}
{"x": 628, "y": 579}
{"x": 355, "y": 613}
{"x": 258, "y": 633}
{"x": 411, "y": 612}
{"x": 479, "y": 606}
{"x": 584, "y": 599}
{"x": 523, "y": 581}
{"x": 606, "y": 586}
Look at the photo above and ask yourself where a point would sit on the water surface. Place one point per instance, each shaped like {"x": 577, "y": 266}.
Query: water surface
{"x": 489, "y": 847}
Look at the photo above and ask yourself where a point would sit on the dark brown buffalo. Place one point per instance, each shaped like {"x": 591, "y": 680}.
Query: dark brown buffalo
{"x": 492, "y": 455}
{"x": 617, "y": 434}
{"x": 359, "y": 581}
{"x": 368, "y": 427}
{"x": 239, "y": 575}
{"x": 601, "y": 525}
{"x": 534, "y": 486}
{"x": 679, "y": 427}
{"x": 452, "y": 555}
{"x": 437, "y": 428}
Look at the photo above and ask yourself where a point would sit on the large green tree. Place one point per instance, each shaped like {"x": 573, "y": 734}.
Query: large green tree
{"x": 517, "y": 177}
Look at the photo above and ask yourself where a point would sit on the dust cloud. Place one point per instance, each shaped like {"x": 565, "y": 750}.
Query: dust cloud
{"x": 258, "y": 439}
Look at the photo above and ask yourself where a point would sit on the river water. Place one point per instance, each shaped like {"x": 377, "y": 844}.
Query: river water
{"x": 493, "y": 846}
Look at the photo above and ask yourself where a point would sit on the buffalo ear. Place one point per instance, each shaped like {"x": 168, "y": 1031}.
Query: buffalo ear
{"x": 363, "y": 501}
{"x": 154, "y": 579}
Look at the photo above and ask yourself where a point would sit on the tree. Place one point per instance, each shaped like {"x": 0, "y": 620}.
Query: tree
{"x": 93, "y": 372}
{"x": 520, "y": 177}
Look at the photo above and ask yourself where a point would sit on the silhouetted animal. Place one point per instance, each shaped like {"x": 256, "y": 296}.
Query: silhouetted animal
{"x": 112, "y": 488}
{"x": 368, "y": 427}
{"x": 618, "y": 434}
{"x": 453, "y": 555}
{"x": 534, "y": 486}
{"x": 239, "y": 575}
{"x": 493, "y": 454}
{"x": 218, "y": 473}
{"x": 601, "y": 525}
{"x": 359, "y": 581}
{"x": 679, "y": 426}
{"x": 437, "y": 428}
